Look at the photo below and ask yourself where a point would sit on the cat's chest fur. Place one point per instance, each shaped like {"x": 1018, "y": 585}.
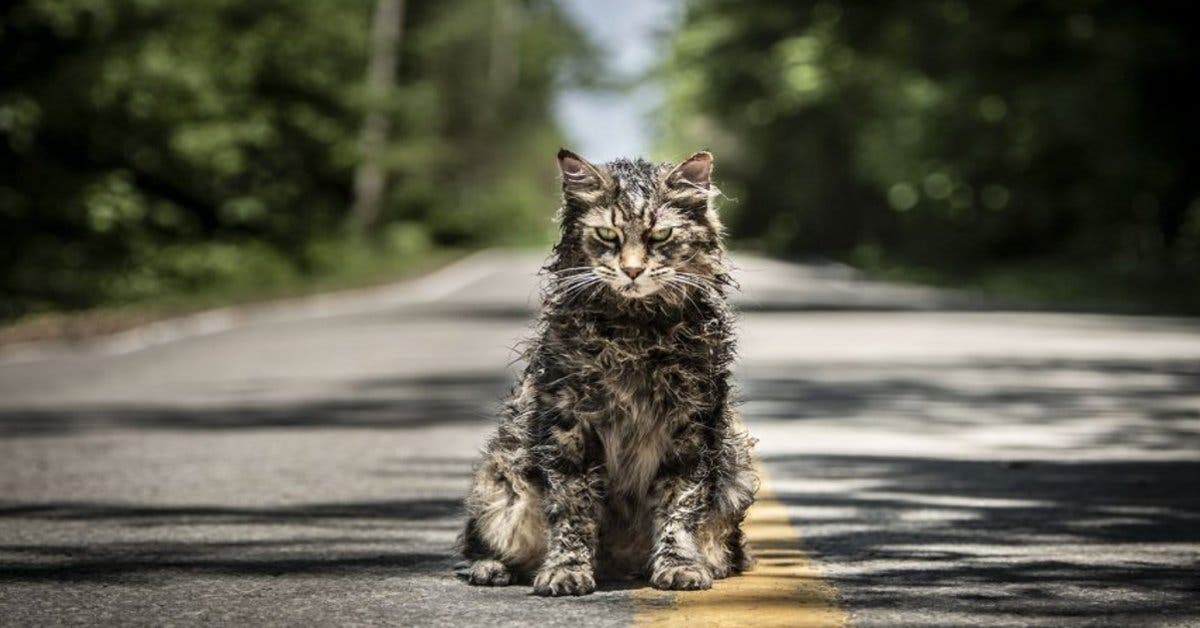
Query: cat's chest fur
{"x": 633, "y": 385}
{"x": 639, "y": 391}
{"x": 634, "y": 434}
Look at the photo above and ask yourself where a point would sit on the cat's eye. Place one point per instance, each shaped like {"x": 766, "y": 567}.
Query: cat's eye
{"x": 662, "y": 234}
{"x": 607, "y": 234}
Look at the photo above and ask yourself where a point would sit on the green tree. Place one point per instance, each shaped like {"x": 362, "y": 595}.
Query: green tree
{"x": 951, "y": 134}
{"x": 155, "y": 146}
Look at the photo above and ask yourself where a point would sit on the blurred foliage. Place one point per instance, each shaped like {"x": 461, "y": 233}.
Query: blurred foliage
{"x": 152, "y": 147}
{"x": 958, "y": 136}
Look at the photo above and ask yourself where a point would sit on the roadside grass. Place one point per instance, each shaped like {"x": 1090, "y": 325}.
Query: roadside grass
{"x": 339, "y": 264}
{"x": 1055, "y": 285}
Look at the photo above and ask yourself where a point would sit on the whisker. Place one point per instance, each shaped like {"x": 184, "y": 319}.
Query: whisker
{"x": 696, "y": 276}
{"x": 576, "y": 277}
{"x": 566, "y": 281}
{"x": 566, "y": 272}
{"x": 595, "y": 288}
{"x": 687, "y": 297}
{"x": 578, "y": 281}
{"x": 577, "y": 288}
{"x": 567, "y": 294}
{"x": 700, "y": 281}
{"x": 691, "y": 282}
{"x": 584, "y": 292}
{"x": 684, "y": 297}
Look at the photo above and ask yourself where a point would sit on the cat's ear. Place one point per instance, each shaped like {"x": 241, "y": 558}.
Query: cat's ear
{"x": 694, "y": 172}
{"x": 578, "y": 176}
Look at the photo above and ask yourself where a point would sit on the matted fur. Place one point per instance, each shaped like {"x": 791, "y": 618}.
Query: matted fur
{"x": 619, "y": 454}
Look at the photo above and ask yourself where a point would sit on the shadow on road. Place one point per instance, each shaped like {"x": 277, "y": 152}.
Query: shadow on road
{"x": 1096, "y": 539}
{"x": 1133, "y": 404}
{"x": 1092, "y": 512}
{"x": 317, "y": 539}
{"x": 407, "y": 403}
{"x": 1082, "y": 539}
{"x": 1148, "y": 403}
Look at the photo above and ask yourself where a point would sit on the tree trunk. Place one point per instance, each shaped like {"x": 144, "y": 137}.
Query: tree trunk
{"x": 370, "y": 178}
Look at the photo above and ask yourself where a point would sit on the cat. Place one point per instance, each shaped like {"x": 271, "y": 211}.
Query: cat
{"x": 619, "y": 455}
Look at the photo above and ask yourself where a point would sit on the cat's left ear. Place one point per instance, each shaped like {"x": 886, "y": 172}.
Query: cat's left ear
{"x": 694, "y": 172}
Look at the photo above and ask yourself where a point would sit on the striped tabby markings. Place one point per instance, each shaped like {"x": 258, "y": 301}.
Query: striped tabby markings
{"x": 784, "y": 589}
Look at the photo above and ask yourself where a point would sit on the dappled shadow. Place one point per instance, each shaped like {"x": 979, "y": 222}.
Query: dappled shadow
{"x": 165, "y": 563}
{"x": 1139, "y": 403}
{"x": 409, "y": 510}
{"x": 1097, "y": 540}
{"x": 1102, "y": 541}
{"x": 1091, "y": 511}
{"x": 407, "y": 403}
{"x": 1150, "y": 403}
{"x": 354, "y": 538}
{"x": 149, "y": 542}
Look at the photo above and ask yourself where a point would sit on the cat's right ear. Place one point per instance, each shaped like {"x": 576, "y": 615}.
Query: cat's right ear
{"x": 579, "y": 177}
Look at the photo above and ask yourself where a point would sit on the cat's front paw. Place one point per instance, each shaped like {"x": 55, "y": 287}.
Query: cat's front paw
{"x": 686, "y": 577}
{"x": 573, "y": 580}
{"x": 719, "y": 572}
{"x": 489, "y": 573}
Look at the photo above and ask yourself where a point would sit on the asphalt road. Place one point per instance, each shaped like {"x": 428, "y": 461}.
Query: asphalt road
{"x": 303, "y": 463}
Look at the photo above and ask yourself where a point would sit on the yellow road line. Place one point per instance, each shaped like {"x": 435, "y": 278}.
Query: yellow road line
{"x": 784, "y": 589}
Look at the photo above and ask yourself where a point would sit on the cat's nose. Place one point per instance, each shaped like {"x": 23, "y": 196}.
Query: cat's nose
{"x": 633, "y": 271}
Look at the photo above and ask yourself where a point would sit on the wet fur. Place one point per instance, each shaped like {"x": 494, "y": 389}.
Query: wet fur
{"x": 619, "y": 454}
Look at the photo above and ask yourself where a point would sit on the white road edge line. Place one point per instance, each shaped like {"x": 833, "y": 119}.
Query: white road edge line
{"x": 430, "y": 288}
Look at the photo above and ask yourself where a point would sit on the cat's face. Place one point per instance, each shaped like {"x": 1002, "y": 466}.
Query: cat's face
{"x": 640, "y": 229}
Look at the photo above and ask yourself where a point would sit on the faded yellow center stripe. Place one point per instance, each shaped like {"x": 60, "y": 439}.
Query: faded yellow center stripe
{"x": 784, "y": 589}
